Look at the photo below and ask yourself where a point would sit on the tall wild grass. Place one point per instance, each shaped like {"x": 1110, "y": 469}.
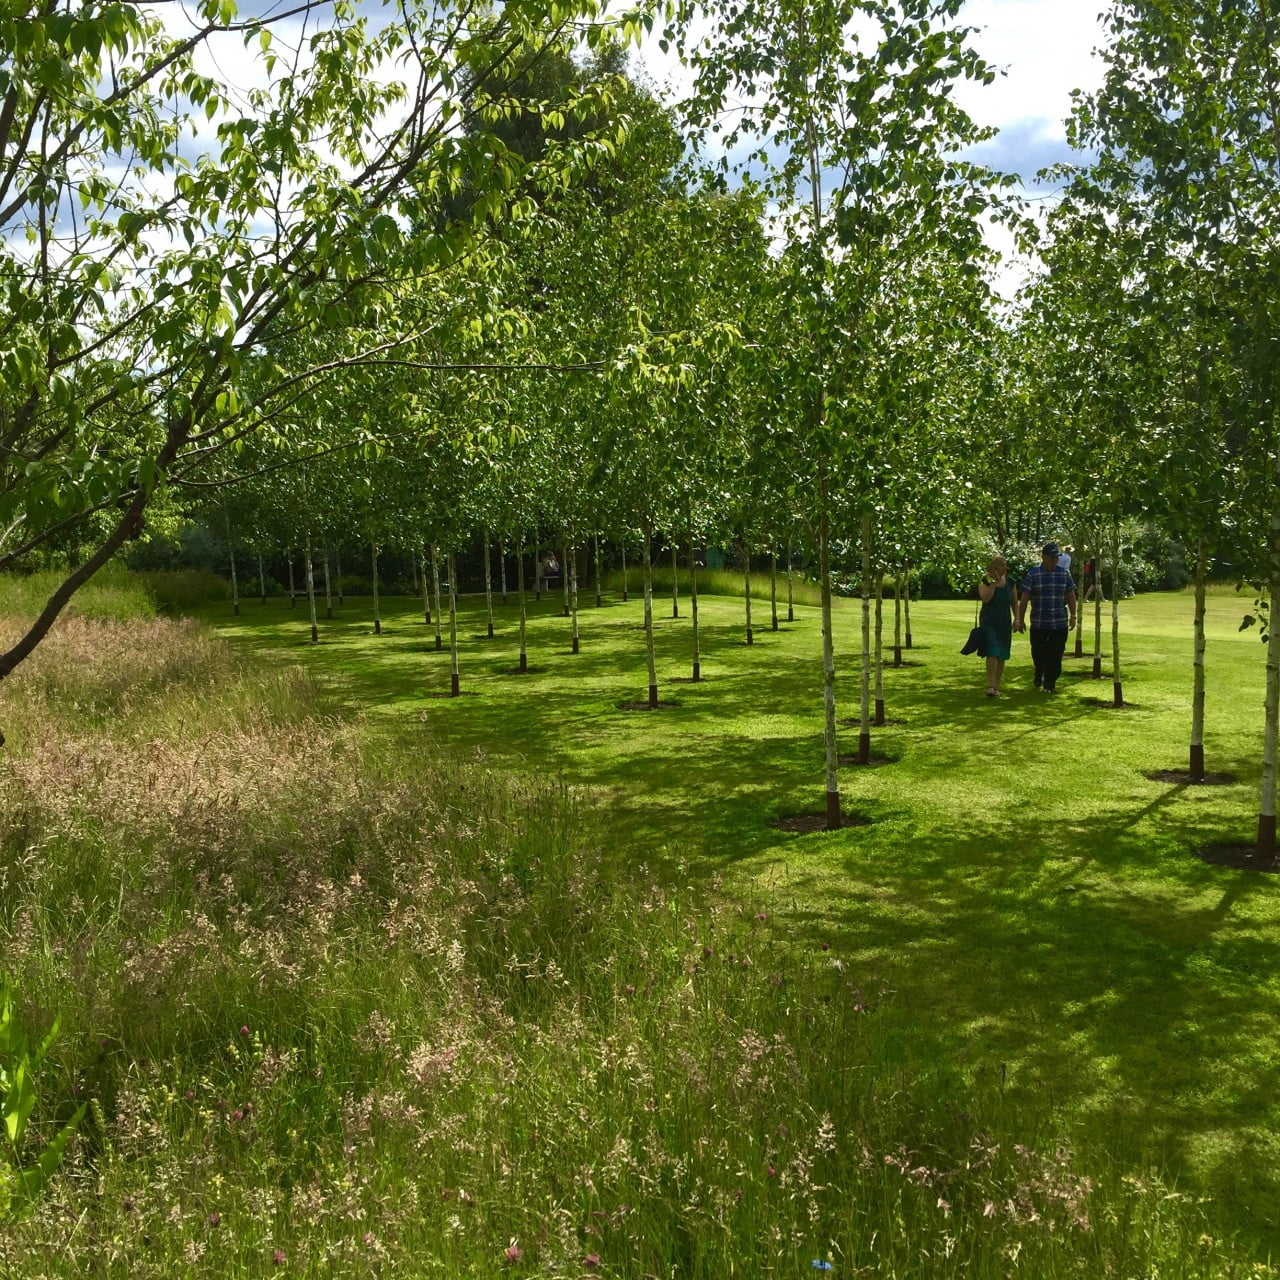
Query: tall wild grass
{"x": 344, "y": 1006}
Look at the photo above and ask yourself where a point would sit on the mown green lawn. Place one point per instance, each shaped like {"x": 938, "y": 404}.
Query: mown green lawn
{"x": 1024, "y": 902}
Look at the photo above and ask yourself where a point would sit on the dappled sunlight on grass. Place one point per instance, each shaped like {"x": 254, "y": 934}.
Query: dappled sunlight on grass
{"x": 1028, "y": 894}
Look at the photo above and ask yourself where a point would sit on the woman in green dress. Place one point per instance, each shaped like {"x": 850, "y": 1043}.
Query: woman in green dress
{"x": 996, "y": 593}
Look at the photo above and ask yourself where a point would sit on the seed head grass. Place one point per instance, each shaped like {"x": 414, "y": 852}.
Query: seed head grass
{"x": 351, "y": 994}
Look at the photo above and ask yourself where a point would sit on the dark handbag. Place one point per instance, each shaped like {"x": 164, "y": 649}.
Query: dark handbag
{"x": 979, "y": 642}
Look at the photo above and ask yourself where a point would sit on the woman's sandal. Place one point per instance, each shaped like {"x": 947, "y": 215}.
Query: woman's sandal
{"x": 993, "y": 693}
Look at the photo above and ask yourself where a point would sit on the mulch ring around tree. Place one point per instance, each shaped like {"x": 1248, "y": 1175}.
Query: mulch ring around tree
{"x": 642, "y": 704}
{"x": 849, "y": 760}
{"x": 1109, "y": 704}
{"x": 1183, "y": 778}
{"x": 1239, "y": 857}
{"x": 804, "y": 824}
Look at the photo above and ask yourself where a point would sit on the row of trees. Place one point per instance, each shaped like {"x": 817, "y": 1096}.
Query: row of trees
{"x": 496, "y": 297}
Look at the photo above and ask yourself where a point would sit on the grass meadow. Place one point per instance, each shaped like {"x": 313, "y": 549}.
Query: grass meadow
{"x": 360, "y": 979}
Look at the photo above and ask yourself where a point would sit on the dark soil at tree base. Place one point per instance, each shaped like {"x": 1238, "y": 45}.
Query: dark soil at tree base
{"x": 643, "y": 704}
{"x": 462, "y": 693}
{"x": 1108, "y": 704}
{"x": 853, "y": 722}
{"x": 808, "y": 823}
{"x": 1239, "y": 857}
{"x": 850, "y": 761}
{"x": 1183, "y": 778}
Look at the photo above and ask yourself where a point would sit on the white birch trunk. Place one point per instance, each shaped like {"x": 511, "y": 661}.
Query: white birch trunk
{"x": 488, "y": 589}
{"x": 502, "y": 570}
{"x": 454, "y": 683}
{"x": 564, "y": 574}
{"x": 328, "y": 587}
{"x": 571, "y": 568}
{"x": 435, "y": 593}
{"x": 524, "y": 613}
{"x": 1117, "y": 687}
{"x": 773, "y": 589}
{"x": 1196, "y": 762}
{"x": 648, "y": 623}
{"x": 864, "y": 682}
{"x": 293, "y": 595}
{"x": 311, "y": 592}
{"x": 879, "y": 654}
{"x": 426, "y": 590}
{"x": 791, "y": 602}
{"x": 675, "y": 581}
{"x": 693, "y": 605}
{"x": 831, "y": 756}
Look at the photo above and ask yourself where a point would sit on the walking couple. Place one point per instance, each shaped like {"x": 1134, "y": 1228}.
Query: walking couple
{"x": 1049, "y": 590}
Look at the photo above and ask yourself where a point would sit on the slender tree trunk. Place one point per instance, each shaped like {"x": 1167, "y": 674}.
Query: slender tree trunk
{"x": 595, "y": 550}
{"x": 1197, "y": 668}
{"x": 455, "y": 686}
{"x": 564, "y": 574}
{"x": 377, "y": 615}
{"x": 648, "y": 622}
{"x": 1117, "y": 689}
{"x": 262, "y": 579}
{"x": 524, "y": 613}
{"x": 311, "y": 592}
{"x": 746, "y": 556}
{"x": 1079, "y": 649}
{"x": 337, "y": 565}
{"x": 293, "y": 595}
{"x": 488, "y": 589}
{"x": 426, "y": 590}
{"x": 864, "y": 712}
{"x": 773, "y": 589}
{"x": 791, "y": 602}
{"x": 831, "y": 762}
{"x": 537, "y": 571}
{"x": 897, "y": 620}
{"x": 879, "y": 655}
{"x": 328, "y": 587}
{"x": 1266, "y": 846}
{"x": 571, "y": 568}
{"x": 1097, "y": 620}
{"x": 502, "y": 569}
{"x": 413, "y": 569}
{"x": 675, "y": 581}
{"x": 435, "y": 593}
{"x": 906, "y": 604}
{"x": 235, "y": 585}
{"x": 693, "y": 605}
{"x": 625, "y": 596}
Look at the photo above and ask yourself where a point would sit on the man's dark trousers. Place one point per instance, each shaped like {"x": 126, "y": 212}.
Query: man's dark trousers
{"x": 1047, "y": 648}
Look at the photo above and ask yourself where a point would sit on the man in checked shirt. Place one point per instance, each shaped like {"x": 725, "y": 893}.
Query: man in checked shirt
{"x": 1052, "y": 595}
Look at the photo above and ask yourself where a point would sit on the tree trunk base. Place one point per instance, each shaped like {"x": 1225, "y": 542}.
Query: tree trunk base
{"x": 439, "y": 644}
{"x": 697, "y": 672}
{"x": 791, "y": 617}
{"x": 574, "y": 646}
{"x": 524, "y": 663}
{"x": 489, "y": 632}
{"x": 833, "y": 811}
{"x": 455, "y": 685}
{"x": 775, "y": 624}
{"x": 908, "y": 644}
{"x": 1267, "y": 835}
{"x": 675, "y": 610}
{"x": 879, "y": 720}
{"x": 1197, "y": 762}
{"x": 1117, "y": 694}
{"x": 565, "y": 614}
{"x": 1097, "y": 668}
{"x": 235, "y": 612}
{"x": 328, "y": 613}
{"x": 864, "y": 748}
{"x": 377, "y": 627}
{"x": 315, "y": 635}
{"x": 653, "y": 697}
{"x": 1079, "y": 653}
{"x": 751, "y": 639}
